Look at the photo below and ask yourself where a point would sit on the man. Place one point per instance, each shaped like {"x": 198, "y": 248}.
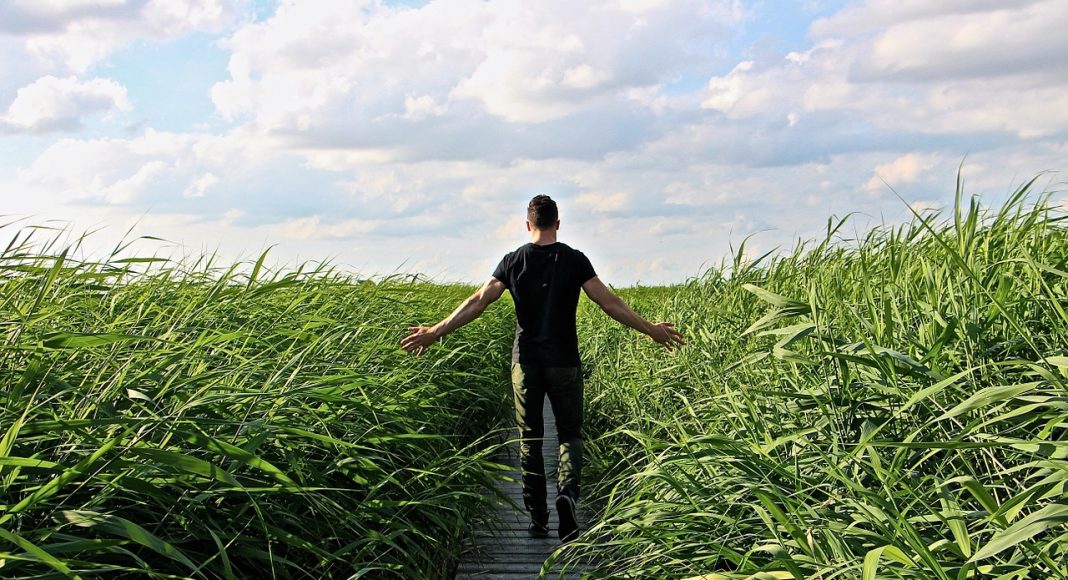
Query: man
{"x": 544, "y": 277}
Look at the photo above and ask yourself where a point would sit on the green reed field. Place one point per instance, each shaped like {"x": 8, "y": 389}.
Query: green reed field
{"x": 893, "y": 406}
{"x": 188, "y": 420}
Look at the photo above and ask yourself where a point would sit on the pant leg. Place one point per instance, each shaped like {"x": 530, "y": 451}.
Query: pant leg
{"x": 529, "y": 392}
{"x": 564, "y": 387}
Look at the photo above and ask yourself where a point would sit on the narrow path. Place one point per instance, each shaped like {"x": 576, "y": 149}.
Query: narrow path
{"x": 505, "y": 550}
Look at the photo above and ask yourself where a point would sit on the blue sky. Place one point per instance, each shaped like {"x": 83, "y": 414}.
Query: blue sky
{"x": 408, "y": 135}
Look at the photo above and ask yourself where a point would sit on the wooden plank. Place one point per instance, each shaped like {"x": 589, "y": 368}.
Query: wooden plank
{"x": 512, "y": 576}
{"x": 504, "y": 550}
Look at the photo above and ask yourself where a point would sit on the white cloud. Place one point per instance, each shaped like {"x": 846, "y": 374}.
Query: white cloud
{"x": 200, "y": 185}
{"x": 421, "y": 107}
{"x": 673, "y": 227}
{"x": 876, "y": 15}
{"x": 315, "y": 227}
{"x": 905, "y": 169}
{"x": 511, "y": 228}
{"x": 949, "y": 68}
{"x": 925, "y": 205}
{"x": 604, "y": 202}
{"x": 301, "y": 228}
{"x": 61, "y": 104}
{"x": 126, "y": 189}
{"x": 963, "y": 46}
{"x": 462, "y": 78}
{"x": 395, "y": 135}
{"x": 583, "y": 76}
{"x": 726, "y": 93}
{"x": 155, "y": 165}
{"x": 77, "y": 34}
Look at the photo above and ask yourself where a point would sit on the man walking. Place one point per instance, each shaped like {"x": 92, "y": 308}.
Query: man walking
{"x": 544, "y": 277}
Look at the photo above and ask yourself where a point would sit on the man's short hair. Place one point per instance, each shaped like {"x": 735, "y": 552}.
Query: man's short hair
{"x": 542, "y": 212}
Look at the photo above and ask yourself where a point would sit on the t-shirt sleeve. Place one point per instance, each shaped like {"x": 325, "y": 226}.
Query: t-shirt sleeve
{"x": 583, "y": 268}
{"x": 501, "y": 272}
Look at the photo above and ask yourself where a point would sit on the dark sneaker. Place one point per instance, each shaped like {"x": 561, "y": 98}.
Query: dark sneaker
{"x": 565, "y": 506}
{"x": 539, "y": 525}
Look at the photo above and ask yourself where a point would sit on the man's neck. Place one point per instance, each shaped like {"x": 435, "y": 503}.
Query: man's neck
{"x": 542, "y": 238}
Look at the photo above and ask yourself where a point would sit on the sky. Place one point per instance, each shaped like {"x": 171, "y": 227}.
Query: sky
{"x": 408, "y": 136}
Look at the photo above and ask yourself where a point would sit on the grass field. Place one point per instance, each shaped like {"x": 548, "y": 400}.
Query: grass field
{"x": 894, "y": 406}
{"x": 883, "y": 407}
{"x": 188, "y": 420}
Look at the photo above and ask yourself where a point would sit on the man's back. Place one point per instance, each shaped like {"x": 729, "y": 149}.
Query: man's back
{"x": 544, "y": 278}
{"x": 544, "y": 281}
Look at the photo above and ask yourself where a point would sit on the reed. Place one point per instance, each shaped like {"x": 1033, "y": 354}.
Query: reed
{"x": 889, "y": 406}
{"x": 206, "y": 420}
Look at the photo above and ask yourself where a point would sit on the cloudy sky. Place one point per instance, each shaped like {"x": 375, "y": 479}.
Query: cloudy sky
{"x": 409, "y": 135}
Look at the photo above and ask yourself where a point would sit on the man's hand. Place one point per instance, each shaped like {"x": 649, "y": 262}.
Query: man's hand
{"x": 420, "y": 338}
{"x": 662, "y": 332}
{"x": 423, "y": 336}
{"x": 666, "y": 335}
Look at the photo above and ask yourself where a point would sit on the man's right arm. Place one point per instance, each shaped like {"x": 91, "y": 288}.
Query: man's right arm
{"x": 614, "y": 306}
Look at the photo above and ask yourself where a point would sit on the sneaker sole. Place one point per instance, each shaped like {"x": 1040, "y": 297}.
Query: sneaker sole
{"x": 565, "y": 507}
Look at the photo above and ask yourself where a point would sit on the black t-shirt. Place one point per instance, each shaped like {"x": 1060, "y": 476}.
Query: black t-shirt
{"x": 545, "y": 283}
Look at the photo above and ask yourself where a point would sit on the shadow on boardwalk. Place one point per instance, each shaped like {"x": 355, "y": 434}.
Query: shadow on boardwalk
{"x": 503, "y": 549}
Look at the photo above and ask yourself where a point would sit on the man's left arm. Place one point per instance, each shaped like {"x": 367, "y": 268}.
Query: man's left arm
{"x": 423, "y": 336}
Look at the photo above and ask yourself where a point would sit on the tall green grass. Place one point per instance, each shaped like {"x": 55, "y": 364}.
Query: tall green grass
{"x": 192, "y": 419}
{"x": 891, "y": 406}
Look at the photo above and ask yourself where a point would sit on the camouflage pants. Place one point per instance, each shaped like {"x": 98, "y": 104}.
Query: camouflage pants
{"x": 563, "y": 385}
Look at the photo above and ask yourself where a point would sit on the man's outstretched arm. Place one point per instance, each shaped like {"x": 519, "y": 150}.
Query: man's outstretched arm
{"x": 614, "y": 306}
{"x": 470, "y": 309}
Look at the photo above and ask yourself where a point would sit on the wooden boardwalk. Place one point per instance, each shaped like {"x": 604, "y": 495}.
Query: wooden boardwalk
{"x": 505, "y": 551}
